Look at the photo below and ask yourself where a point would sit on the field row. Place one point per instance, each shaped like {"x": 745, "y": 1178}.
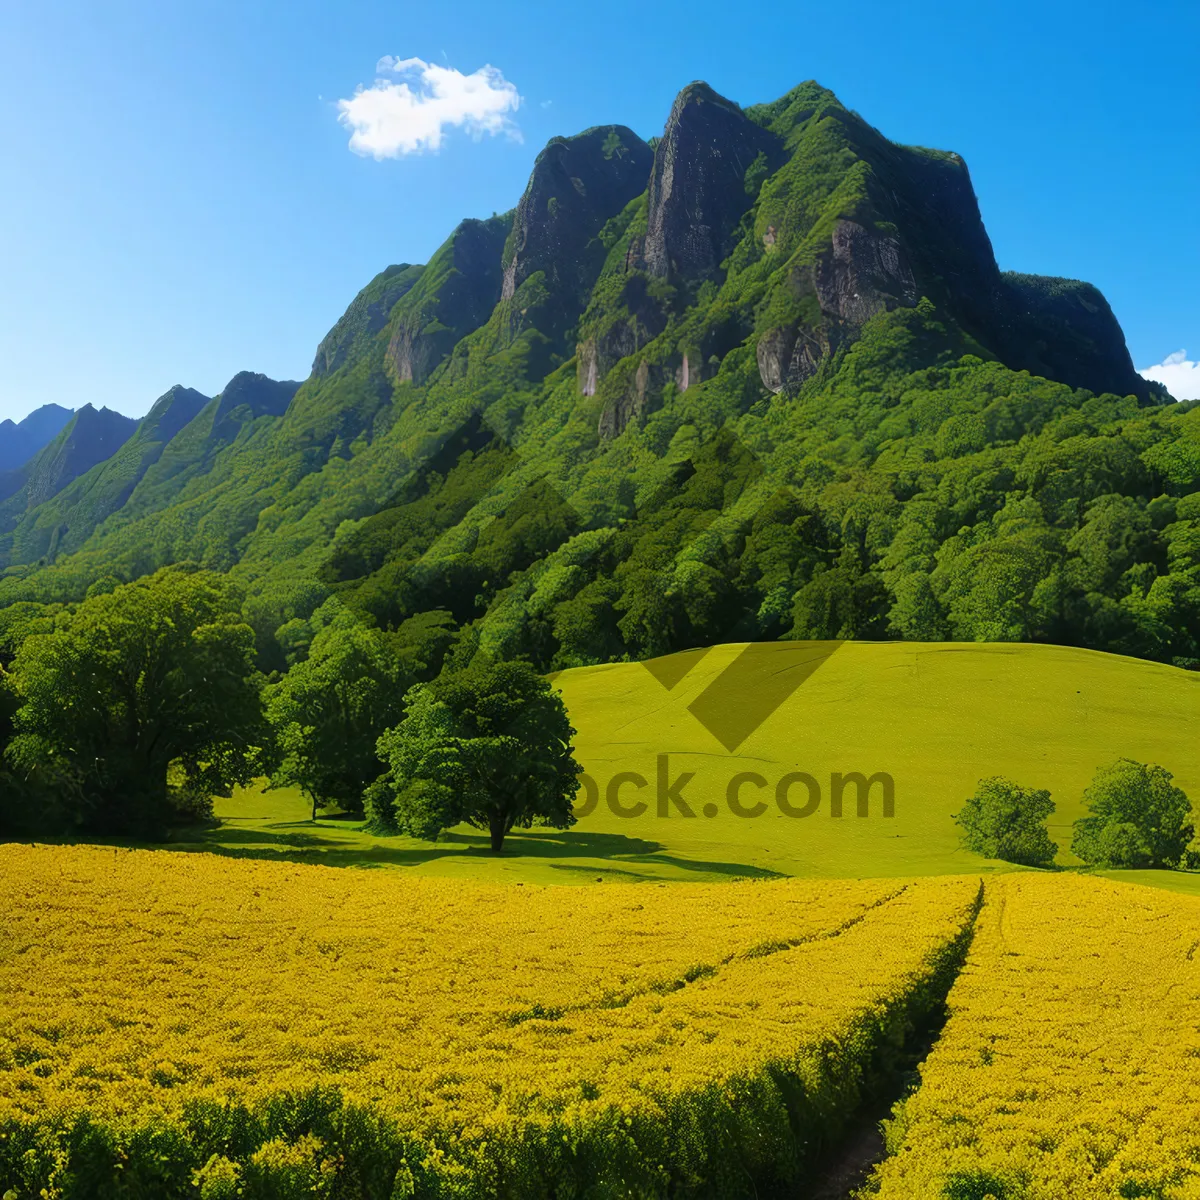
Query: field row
{"x": 1069, "y": 1064}
{"x": 186, "y": 1026}
{"x": 502, "y": 1040}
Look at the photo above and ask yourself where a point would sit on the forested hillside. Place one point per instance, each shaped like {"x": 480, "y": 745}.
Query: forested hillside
{"x": 759, "y": 378}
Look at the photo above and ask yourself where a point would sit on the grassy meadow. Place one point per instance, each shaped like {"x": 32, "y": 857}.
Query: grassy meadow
{"x": 935, "y": 717}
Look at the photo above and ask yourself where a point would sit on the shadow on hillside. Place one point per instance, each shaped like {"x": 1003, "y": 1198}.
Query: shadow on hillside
{"x": 584, "y": 855}
{"x": 696, "y": 866}
{"x": 612, "y": 855}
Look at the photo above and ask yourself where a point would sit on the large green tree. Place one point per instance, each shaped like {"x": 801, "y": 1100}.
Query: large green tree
{"x": 489, "y": 745}
{"x": 330, "y": 709}
{"x": 1137, "y": 817}
{"x": 1007, "y": 821}
{"x": 152, "y": 680}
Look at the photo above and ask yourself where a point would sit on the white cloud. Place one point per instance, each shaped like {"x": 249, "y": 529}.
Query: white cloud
{"x": 410, "y": 113}
{"x": 1180, "y": 376}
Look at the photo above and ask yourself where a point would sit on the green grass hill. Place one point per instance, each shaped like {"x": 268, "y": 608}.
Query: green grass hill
{"x": 934, "y": 717}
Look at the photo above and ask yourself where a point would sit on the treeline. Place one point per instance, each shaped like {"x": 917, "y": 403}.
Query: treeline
{"x": 127, "y": 713}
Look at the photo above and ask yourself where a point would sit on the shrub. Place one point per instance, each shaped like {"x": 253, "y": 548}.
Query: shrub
{"x": 1007, "y": 821}
{"x": 1137, "y": 818}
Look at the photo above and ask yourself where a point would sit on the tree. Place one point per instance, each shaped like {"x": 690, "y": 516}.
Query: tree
{"x": 1137, "y": 818}
{"x": 1007, "y": 821}
{"x": 153, "y": 677}
{"x": 489, "y": 745}
{"x": 329, "y": 711}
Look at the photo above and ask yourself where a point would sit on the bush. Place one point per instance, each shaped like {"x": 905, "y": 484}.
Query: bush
{"x": 1138, "y": 818}
{"x": 1007, "y": 821}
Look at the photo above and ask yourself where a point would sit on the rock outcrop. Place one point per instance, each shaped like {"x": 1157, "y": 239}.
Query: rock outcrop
{"x": 577, "y": 185}
{"x": 638, "y": 321}
{"x": 698, "y": 188}
{"x": 454, "y": 297}
{"x": 631, "y": 403}
{"x": 790, "y": 354}
{"x": 861, "y": 274}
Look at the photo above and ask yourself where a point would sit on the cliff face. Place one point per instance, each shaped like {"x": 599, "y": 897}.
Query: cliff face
{"x": 699, "y": 188}
{"x": 578, "y": 184}
{"x": 454, "y": 296}
{"x": 860, "y": 274}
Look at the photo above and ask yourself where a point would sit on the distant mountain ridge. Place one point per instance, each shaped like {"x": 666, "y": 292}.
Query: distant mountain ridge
{"x": 83, "y": 499}
{"x": 89, "y": 437}
{"x": 21, "y": 440}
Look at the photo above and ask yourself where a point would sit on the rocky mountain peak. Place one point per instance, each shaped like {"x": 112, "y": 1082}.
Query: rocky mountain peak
{"x": 577, "y": 185}
{"x": 698, "y": 187}
{"x": 263, "y": 396}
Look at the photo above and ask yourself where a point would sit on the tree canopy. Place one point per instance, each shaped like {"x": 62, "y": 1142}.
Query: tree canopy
{"x": 1007, "y": 821}
{"x": 489, "y": 746}
{"x": 331, "y": 708}
{"x": 153, "y": 678}
{"x": 1137, "y": 817}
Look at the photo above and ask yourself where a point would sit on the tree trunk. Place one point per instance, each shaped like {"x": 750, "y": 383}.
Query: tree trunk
{"x": 314, "y": 810}
{"x": 497, "y": 828}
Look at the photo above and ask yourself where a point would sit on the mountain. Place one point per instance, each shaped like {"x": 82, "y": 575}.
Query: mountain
{"x": 68, "y": 516}
{"x": 19, "y": 442}
{"x": 89, "y": 437}
{"x": 761, "y": 377}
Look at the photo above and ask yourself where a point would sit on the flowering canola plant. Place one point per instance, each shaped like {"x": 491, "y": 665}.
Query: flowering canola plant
{"x": 223, "y": 1028}
{"x": 1069, "y": 1065}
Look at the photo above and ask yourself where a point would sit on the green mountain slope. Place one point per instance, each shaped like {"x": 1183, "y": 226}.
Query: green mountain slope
{"x": 764, "y": 380}
{"x": 65, "y": 520}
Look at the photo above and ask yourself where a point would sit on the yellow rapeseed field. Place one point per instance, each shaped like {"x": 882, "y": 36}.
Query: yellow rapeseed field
{"x": 138, "y": 986}
{"x": 1070, "y": 1066}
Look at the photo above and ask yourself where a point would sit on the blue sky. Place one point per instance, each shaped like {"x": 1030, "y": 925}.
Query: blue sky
{"x": 181, "y": 201}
